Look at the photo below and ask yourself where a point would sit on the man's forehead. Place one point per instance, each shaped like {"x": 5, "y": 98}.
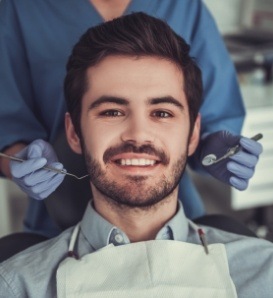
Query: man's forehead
{"x": 117, "y": 63}
{"x": 148, "y": 77}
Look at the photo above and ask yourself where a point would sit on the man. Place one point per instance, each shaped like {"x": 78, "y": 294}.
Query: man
{"x": 33, "y": 104}
{"x": 133, "y": 96}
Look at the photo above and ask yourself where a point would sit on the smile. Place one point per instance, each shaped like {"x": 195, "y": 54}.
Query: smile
{"x": 136, "y": 162}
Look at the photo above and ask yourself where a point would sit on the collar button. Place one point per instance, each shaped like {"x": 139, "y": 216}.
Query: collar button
{"x": 119, "y": 238}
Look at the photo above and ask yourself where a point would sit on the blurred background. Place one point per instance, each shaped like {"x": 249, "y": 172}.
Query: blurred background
{"x": 247, "y": 29}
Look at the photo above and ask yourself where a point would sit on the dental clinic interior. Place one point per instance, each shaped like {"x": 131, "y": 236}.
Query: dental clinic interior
{"x": 247, "y": 30}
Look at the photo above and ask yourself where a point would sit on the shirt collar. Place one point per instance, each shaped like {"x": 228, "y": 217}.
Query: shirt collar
{"x": 177, "y": 226}
{"x": 99, "y": 232}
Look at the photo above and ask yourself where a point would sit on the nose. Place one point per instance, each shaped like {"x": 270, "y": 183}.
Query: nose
{"x": 138, "y": 131}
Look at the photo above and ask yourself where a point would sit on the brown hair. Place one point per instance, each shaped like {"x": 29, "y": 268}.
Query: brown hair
{"x": 137, "y": 34}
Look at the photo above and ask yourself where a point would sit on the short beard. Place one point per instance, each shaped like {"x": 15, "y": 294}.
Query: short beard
{"x": 133, "y": 192}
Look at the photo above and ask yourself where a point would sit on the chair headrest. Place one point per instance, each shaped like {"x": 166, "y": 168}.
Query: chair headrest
{"x": 66, "y": 205}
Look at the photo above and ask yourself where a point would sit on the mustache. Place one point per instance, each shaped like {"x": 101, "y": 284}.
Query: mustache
{"x": 131, "y": 148}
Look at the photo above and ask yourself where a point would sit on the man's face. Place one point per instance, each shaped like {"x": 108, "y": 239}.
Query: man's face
{"x": 135, "y": 129}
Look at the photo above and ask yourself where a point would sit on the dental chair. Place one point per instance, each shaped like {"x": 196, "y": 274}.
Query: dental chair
{"x": 67, "y": 204}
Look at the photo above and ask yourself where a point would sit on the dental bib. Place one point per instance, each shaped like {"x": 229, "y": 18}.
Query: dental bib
{"x": 158, "y": 268}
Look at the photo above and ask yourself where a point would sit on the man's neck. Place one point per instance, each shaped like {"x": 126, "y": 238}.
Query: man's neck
{"x": 110, "y": 9}
{"x": 138, "y": 224}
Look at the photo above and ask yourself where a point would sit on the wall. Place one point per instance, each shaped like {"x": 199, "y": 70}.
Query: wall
{"x": 225, "y": 13}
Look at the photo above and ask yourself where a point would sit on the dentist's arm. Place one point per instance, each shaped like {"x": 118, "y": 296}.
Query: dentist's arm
{"x": 36, "y": 182}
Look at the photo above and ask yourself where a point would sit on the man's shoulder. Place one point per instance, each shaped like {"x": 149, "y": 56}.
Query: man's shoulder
{"x": 55, "y": 244}
{"x": 232, "y": 240}
{"x": 244, "y": 249}
{"x": 34, "y": 267}
{"x": 250, "y": 262}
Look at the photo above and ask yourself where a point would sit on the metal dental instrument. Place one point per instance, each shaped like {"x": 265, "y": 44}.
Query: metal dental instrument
{"x": 212, "y": 159}
{"x": 44, "y": 167}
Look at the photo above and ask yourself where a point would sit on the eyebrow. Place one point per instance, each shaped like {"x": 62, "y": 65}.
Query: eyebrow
{"x": 168, "y": 100}
{"x": 108, "y": 99}
{"x": 123, "y": 101}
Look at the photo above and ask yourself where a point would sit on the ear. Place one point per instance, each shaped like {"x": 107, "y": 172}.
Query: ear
{"x": 194, "y": 138}
{"x": 71, "y": 135}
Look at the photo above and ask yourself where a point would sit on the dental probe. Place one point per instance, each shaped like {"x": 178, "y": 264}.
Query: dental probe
{"x": 44, "y": 167}
{"x": 212, "y": 159}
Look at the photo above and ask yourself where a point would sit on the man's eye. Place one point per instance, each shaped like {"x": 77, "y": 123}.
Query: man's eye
{"x": 111, "y": 113}
{"x": 162, "y": 114}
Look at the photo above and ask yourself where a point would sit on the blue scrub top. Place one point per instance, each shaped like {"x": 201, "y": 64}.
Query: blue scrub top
{"x": 36, "y": 38}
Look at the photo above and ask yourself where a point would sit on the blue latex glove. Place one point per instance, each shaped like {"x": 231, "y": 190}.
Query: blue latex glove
{"x": 237, "y": 169}
{"x": 38, "y": 183}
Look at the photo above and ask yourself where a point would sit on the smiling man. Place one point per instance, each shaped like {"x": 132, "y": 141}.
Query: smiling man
{"x": 133, "y": 95}
{"x": 136, "y": 136}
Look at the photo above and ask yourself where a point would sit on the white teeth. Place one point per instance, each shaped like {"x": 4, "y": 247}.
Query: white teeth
{"x": 137, "y": 162}
{"x": 142, "y": 162}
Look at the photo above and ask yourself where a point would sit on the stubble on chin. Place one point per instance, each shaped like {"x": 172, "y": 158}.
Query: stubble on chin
{"x": 138, "y": 192}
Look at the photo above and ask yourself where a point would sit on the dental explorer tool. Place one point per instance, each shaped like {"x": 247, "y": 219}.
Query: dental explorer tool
{"x": 44, "y": 167}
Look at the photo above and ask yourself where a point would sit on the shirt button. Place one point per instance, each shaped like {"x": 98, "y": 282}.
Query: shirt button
{"x": 119, "y": 238}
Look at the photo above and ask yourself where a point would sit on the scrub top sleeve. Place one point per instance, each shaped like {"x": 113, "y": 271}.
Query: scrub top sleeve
{"x": 222, "y": 107}
{"x": 17, "y": 105}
